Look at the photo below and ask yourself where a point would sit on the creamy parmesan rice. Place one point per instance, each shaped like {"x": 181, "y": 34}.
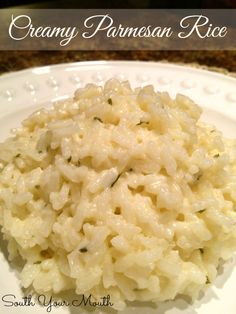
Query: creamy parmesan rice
{"x": 121, "y": 192}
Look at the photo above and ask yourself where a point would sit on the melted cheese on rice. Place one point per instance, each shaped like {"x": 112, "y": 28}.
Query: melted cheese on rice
{"x": 121, "y": 192}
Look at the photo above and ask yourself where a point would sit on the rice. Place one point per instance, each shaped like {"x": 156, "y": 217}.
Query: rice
{"x": 121, "y": 192}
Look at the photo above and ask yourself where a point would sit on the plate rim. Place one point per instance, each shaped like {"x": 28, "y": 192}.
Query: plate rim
{"x": 187, "y": 66}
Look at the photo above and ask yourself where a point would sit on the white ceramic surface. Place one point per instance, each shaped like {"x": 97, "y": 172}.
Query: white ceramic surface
{"x": 23, "y": 92}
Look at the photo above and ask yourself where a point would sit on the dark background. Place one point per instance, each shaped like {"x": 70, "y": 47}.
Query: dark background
{"x": 17, "y": 60}
{"x": 184, "y": 4}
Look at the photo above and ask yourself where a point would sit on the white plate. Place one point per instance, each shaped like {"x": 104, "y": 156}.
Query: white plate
{"x": 22, "y": 93}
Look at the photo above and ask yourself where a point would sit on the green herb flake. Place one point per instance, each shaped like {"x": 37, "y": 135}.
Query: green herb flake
{"x": 46, "y": 253}
{"x": 37, "y": 186}
{"x": 142, "y": 122}
{"x": 201, "y": 250}
{"x": 37, "y": 263}
{"x": 78, "y": 163}
{"x": 83, "y": 250}
{"x": 117, "y": 178}
{"x": 202, "y": 211}
{"x": 131, "y": 169}
{"x": 198, "y": 177}
{"x": 109, "y": 100}
{"x": 207, "y": 280}
{"x": 216, "y": 156}
{"x": 17, "y": 155}
{"x": 98, "y": 119}
{"x": 69, "y": 159}
{"x": 117, "y": 211}
{"x": 40, "y": 151}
